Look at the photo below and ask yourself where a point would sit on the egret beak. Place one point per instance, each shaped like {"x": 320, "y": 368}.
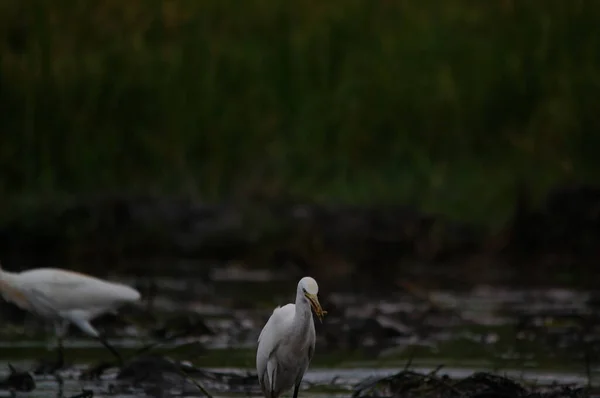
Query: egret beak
{"x": 316, "y": 306}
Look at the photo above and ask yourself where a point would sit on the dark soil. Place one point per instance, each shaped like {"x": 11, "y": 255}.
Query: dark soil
{"x": 328, "y": 242}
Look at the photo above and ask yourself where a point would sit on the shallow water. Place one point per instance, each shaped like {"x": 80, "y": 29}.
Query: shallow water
{"x": 536, "y": 333}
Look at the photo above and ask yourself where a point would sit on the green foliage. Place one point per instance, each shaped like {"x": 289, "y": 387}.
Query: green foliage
{"x": 440, "y": 104}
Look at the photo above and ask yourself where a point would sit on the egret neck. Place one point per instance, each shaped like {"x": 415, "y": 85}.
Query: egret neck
{"x": 303, "y": 318}
{"x": 10, "y": 291}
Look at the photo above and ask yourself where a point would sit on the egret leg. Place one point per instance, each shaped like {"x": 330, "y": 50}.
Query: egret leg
{"x": 60, "y": 328}
{"x": 296, "y": 388}
{"x": 111, "y": 349}
{"x": 60, "y": 355}
{"x": 86, "y": 327}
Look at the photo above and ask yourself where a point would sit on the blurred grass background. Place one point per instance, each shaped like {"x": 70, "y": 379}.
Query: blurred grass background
{"x": 442, "y": 104}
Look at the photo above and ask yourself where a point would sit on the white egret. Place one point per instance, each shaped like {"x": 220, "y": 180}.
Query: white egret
{"x": 63, "y": 296}
{"x": 286, "y": 344}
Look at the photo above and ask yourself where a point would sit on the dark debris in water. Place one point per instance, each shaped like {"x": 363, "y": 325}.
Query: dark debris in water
{"x": 155, "y": 369}
{"x": 410, "y": 384}
{"x": 159, "y": 375}
{"x": 150, "y": 374}
{"x": 156, "y": 375}
{"x": 18, "y": 380}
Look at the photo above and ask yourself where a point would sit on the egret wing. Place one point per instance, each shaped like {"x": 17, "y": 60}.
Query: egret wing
{"x": 270, "y": 337}
{"x": 71, "y": 290}
{"x": 41, "y": 303}
{"x": 311, "y": 351}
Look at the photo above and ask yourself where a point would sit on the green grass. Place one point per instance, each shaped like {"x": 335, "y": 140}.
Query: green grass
{"x": 442, "y": 105}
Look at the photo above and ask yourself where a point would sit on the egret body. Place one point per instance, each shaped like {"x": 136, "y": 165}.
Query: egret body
{"x": 64, "y": 297}
{"x": 287, "y": 342}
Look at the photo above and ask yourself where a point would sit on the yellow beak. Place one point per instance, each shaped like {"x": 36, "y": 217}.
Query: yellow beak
{"x": 316, "y": 306}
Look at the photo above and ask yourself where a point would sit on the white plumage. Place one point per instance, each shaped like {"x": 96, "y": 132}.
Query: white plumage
{"x": 64, "y": 296}
{"x": 286, "y": 344}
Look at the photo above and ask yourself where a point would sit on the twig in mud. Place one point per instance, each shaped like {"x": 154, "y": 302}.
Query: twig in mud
{"x": 434, "y": 371}
{"x": 410, "y": 358}
{"x": 166, "y": 340}
{"x": 197, "y": 384}
{"x": 588, "y": 366}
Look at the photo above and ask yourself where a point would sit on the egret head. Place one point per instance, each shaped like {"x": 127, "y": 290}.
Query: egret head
{"x": 310, "y": 289}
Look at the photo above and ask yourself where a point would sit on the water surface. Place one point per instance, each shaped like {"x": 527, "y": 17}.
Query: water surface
{"x": 539, "y": 333}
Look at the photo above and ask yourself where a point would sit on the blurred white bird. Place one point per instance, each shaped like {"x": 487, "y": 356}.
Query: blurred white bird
{"x": 63, "y": 296}
{"x": 287, "y": 342}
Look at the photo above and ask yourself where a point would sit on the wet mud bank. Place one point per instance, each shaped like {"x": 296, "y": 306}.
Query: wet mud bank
{"x": 329, "y": 242}
{"x": 411, "y": 384}
{"x": 155, "y": 376}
